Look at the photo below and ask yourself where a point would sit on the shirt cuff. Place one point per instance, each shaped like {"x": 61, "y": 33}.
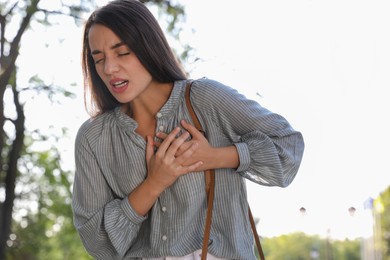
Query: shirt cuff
{"x": 244, "y": 157}
{"x": 130, "y": 212}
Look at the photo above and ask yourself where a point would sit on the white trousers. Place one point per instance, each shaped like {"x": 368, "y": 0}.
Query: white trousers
{"x": 194, "y": 256}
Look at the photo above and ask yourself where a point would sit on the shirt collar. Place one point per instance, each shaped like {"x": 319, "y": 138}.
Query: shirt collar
{"x": 167, "y": 110}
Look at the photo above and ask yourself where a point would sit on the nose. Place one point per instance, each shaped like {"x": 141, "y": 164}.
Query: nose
{"x": 110, "y": 66}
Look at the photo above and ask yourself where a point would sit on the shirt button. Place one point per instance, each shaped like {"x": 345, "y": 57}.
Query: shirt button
{"x": 164, "y": 237}
{"x": 164, "y": 209}
{"x": 161, "y": 128}
{"x": 159, "y": 115}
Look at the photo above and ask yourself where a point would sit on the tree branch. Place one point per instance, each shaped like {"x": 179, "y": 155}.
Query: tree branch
{"x": 60, "y": 13}
{"x": 3, "y": 20}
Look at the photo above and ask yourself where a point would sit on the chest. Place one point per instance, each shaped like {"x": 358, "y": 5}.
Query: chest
{"x": 146, "y": 127}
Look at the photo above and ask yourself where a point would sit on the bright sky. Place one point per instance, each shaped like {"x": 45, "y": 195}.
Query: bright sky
{"x": 324, "y": 65}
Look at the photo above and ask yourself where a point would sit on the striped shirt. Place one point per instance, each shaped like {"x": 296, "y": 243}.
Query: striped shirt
{"x": 110, "y": 163}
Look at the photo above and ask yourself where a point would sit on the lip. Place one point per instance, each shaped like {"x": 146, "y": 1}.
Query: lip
{"x": 118, "y": 85}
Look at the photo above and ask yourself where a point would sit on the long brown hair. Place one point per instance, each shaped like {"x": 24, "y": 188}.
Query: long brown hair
{"x": 136, "y": 26}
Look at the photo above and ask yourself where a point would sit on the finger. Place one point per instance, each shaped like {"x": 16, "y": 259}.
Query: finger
{"x": 185, "y": 156}
{"x": 191, "y": 129}
{"x": 183, "y": 148}
{"x": 193, "y": 167}
{"x": 187, "y": 153}
{"x": 161, "y": 135}
{"x": 176, "y": 144}
{"x": 168, "y": 140}
{"x": 149, "y": 148}
{"x": 157, "y": 144}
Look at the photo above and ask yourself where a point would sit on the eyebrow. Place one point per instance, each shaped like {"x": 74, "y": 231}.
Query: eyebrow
{"x": 115, "y": 46}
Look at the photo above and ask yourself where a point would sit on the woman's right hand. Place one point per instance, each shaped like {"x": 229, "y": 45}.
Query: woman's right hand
{"x": 164, "y": 167}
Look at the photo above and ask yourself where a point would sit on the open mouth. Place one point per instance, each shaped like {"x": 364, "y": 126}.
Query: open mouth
{"x": 120, "y": 84}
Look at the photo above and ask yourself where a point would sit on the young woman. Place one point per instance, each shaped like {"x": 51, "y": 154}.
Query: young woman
{"x": 139, "y": 190}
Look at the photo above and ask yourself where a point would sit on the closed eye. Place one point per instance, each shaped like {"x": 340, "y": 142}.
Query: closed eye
{"x": 98, "y": 61}
{"x": 124, "y": 54}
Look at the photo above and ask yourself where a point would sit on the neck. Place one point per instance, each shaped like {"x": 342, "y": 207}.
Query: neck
{"x": 150, "y": 102}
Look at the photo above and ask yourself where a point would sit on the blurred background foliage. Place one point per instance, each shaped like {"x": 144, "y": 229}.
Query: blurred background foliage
{"x": 35, "y": 188}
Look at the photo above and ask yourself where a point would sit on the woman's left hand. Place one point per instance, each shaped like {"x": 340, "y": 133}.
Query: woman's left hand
{"x": 204, "y": 151}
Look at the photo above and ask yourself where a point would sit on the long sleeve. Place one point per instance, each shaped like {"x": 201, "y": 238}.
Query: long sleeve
{"x": 110, "y": 164}
{"x": 270, "y": 150}
{"x": 107, "y": 224}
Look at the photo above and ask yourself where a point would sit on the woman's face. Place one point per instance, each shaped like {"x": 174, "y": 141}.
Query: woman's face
{"x": 121, "y": 71}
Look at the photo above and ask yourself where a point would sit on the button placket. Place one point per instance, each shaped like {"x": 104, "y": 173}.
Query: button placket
{"x": 160, "y": 124}
{"x": 165, "y": 219}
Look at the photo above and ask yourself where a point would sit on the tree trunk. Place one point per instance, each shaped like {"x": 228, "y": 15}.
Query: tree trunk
{"x": 9, "y": 163}
{"x": 12, "y": 173}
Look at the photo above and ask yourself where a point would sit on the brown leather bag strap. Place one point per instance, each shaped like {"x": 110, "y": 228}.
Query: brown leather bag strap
{"x": 209, "y": 173}
{"x": 209, "y": 180}
{"x": 190, "y": 109}
{"x": 257, "y": 238}
{"x": 210, "y": 183}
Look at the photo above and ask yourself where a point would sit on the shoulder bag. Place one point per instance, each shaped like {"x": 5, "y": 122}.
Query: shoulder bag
{"x": 210, "y": 183}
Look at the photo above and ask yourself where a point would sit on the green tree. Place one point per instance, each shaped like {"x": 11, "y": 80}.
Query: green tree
{"x": 43, "y": 227}
{"x": 300, "y": 246}
{"x": 384, "y": 201}
{"x": 347, "y": 249}
{"x": 296, "y": 246}
{"x": 35, "y": 212}
{"x": 16, "y": 18}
